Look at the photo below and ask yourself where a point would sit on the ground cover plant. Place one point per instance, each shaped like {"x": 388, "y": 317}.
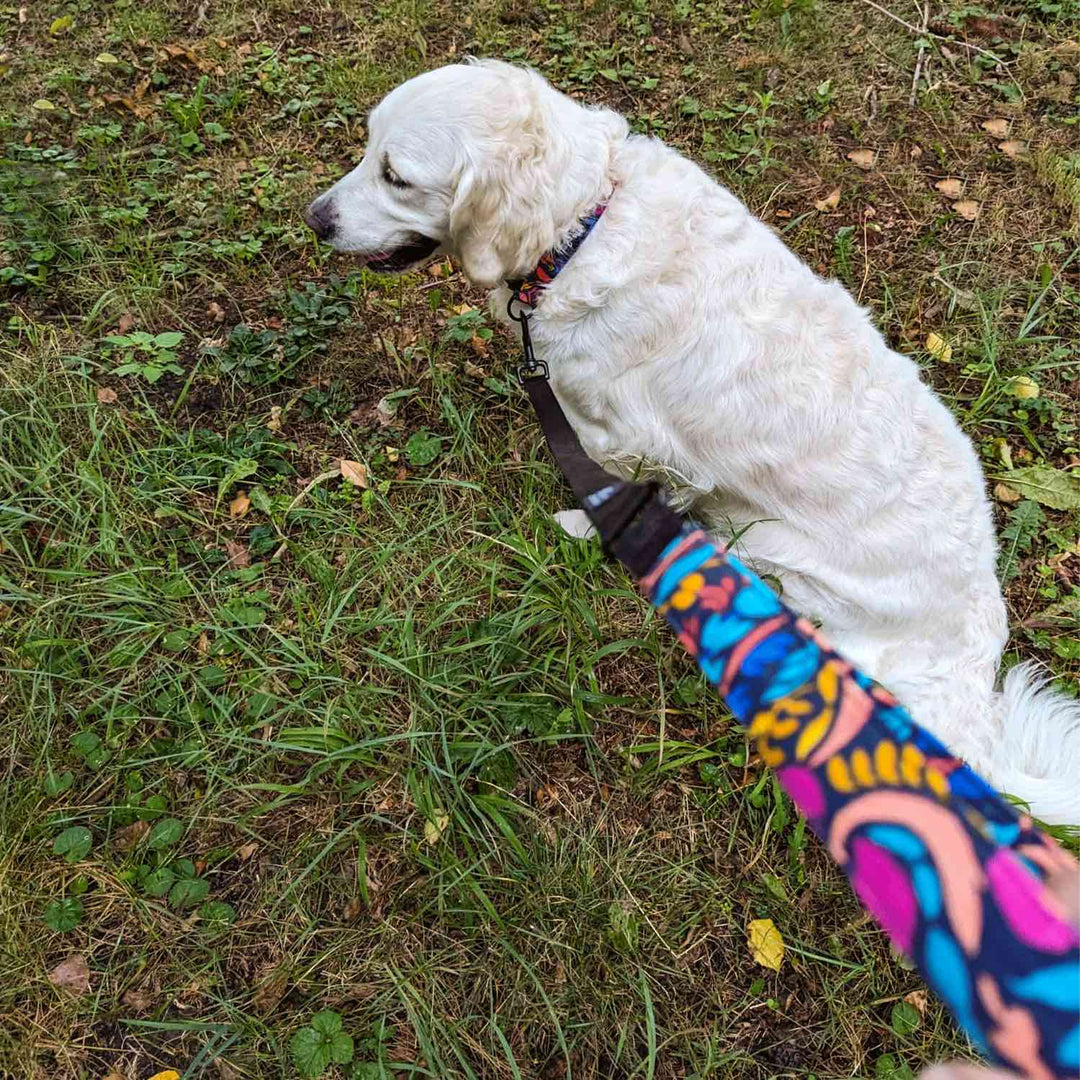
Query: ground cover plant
{"x": 325, "y": 754}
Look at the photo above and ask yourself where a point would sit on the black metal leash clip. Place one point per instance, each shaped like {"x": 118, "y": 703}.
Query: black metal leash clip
{"x": 531, "y": 368}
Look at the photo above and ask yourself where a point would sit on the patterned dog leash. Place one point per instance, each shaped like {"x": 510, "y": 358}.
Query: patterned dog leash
{"x": 949, "y": 869}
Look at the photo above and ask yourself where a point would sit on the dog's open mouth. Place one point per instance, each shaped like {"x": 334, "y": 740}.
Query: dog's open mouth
{"x": 393, "y": 262}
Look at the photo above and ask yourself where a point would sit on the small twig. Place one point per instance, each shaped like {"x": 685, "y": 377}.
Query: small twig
{"x": 922, "y": 53}
{"x": 940, "y": 37}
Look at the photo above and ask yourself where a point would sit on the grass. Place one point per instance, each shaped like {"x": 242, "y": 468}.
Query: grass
{"x": 404, "y": 754}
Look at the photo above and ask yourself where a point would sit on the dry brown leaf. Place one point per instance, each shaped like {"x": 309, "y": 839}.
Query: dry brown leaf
{"x": 830, "y": 202}
{"x": 998, "y": 127}
{"x": 968, "y": 209}
{"x": 140, "y": 1001}
{"x": 918, "y": 999}
{"x": 950, "y": 187}
{"x": 352, "y": 909}
{"x": 126, "y": 322}
{"x": 240, "y": 505}
{"x": 269, "y": 993}
{"x": 215, "y": 311}
{"x": 72, "y": 974}
{"x": 1013, "y": 147}
{"x": 479, "y": 345}
{"x": 23, "y": 14}
{"x": 863, "y": 158}
{"x": 274, "y": 423}
{"x": 1004, "y": 493}
{"x": 203, "y": 644}
{"x": 114, "y": 1075}
{"x": 244, "y": 853}
{"x": 106, "y": 395}
{"x": 239, "y": 557}
{"x": 126, "y": 838}
{"x": 474, "y": 371}
{"x": 354, "y": 472}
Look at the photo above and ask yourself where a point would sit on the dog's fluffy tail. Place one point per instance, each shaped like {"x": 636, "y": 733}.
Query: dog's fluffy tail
{"x": 1038, "y": 756}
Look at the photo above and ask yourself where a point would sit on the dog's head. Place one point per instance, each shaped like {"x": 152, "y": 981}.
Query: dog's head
{"x": 483, "y": 161}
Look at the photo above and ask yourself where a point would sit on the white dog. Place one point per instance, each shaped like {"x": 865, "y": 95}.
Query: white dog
{"x": 683, "y": 333}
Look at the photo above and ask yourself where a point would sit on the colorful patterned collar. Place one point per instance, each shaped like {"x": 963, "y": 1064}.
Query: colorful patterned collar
{"x": 528, "y": 289}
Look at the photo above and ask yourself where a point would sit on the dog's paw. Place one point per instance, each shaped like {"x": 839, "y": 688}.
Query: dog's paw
{"x": 575, "y": 523}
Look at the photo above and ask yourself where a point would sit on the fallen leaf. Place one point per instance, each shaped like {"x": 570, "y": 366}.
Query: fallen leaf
{"x": 23, "y": 14}
{"x": 239, "y": 556}
{"x": 139, "y": 1000}
{"x": 1052, "y": 487}
{"x": 939, "y": 348}
{"x": 106, "y": 395}
{"x": 274, "y": 423}
{"x": 766, "y": 944}
{"x": 968, "y": 209}
{"x": 1024, "y": 387}
{"x": 950, "y": 187}
{"x": 479, "y": 345}
{"x": 999, "y": 127}
{"x": 240, "y": 505}
{"x": 474, "y": 371}
{"x": 126, "y": 838}
{"x": 44, "y": 105}
{"x": 918, "y": 999}
{"x": 269, "y": 993}
{"x": 393, "y": 454}
{"x": 435, "y": 827}
{"x": 1004, "y": 454}
{"x": 352, "y": 909}
{"x": 114, "y": 1075}
{"x": 125, "y": 323}
{"x": 1013, "y": 147}
{"x": 863, "y": 158}
{"x": 354, "y": 472}
{"x": 62, "y": 25}
{"x": 72, "y": 974}
{"x": 168, "y": 1074}
{"x": 215, "y": 311}
{"x": 830, "y": 202}
{"x": 107, "y": 59}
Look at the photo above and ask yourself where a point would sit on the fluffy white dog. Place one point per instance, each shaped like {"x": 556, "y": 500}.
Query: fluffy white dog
{"x": 683, "y": 333}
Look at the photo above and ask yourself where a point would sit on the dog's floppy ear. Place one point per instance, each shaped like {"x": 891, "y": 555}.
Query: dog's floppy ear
{"x": 485, "y": 231}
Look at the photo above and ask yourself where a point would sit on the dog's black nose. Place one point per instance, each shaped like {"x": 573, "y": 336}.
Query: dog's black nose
{"x": 321, "y": 220}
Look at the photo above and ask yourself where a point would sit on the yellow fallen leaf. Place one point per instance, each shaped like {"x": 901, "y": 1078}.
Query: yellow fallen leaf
{"x": 354, "y": 472}
{"x": 393, "y": 454}
{"x": 1023, "y": 387}
{"x": 939, "y": 348}
{"x": 168, "y": 1074}
{"x": 968, "y": 209}
{"x": 998, "y": 127}
{"x": 44, "y": 105}
{"x": 61, "y": 25}
{"x": 1012, "y": 147}
{"x": 863, "y": 158}
{"x": 274, "y": 423}
{"x": 240, "y": 505}
{"x": 435, "y": 827}
{"x": 106, "y": 59}
{"x": 766, "y": 944}
{"x": 950, "y": 187}
{"x": 1004, "y": 493}
{"x": 1003, "y": 452}
{"x": 830, "y": 202}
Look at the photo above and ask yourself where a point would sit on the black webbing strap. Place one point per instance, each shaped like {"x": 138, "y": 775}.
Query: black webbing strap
{"x": 634, "y": 522}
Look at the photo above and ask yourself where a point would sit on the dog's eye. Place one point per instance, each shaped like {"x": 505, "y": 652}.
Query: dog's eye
{"x": 392, "y": 177}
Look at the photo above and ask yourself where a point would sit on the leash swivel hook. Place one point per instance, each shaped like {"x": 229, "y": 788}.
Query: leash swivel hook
{"x": 530, "y": 368}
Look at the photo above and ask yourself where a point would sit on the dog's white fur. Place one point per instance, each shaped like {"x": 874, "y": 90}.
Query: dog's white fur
{"x": 685, "y": 334}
